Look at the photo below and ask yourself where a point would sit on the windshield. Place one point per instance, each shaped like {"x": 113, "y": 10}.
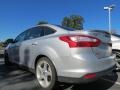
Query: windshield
{"x": 66, "y": 28}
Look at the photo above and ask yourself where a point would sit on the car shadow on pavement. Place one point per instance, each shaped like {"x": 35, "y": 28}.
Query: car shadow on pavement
{"x": 13, "y": 78}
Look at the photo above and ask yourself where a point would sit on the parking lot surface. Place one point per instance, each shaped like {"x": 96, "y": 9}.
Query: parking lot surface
{"x": 13, "y": 78}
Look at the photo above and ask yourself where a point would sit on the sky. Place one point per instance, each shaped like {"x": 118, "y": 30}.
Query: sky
{"x": 19, "y": 15}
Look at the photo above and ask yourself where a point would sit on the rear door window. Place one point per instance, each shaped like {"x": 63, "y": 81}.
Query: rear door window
{"x": 35, "y": 33}
{"x": 48, "y": 31}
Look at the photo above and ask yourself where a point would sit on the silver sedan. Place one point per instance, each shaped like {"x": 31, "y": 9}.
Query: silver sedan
{"x": 57, "y": 53}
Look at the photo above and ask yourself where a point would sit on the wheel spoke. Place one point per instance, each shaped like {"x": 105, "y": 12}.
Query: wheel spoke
{"x": 40, "y": 72}
{"x": 49, "y": 73}
{"x": 39, "y": 67}
{"x": 45, "y": 66}
{"x": 41, "y": 77}
{"x": 46, "y": 80}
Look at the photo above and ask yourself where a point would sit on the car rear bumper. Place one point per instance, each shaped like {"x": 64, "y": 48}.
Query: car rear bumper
{"x": 83, "y": 79}
{"x": 77, "y": 68}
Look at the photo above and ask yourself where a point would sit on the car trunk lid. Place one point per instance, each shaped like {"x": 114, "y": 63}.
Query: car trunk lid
{"x": 105, "y": 48}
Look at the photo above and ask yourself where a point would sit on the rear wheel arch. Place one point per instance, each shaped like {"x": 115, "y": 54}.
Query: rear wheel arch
{"x": 37, "y": 58}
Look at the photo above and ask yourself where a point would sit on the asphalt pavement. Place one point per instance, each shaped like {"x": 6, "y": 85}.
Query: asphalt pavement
{"x": 14, "y": 78}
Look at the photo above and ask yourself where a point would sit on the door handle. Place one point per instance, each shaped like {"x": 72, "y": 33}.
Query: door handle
{"x": 35, "y": 43}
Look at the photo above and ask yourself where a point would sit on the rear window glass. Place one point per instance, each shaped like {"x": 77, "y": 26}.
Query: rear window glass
{"x": 66, "y": 28}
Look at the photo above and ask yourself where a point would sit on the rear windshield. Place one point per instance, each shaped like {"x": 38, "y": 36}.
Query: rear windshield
{"x": 66, "y": 28}
{"x": 116, "y": 35}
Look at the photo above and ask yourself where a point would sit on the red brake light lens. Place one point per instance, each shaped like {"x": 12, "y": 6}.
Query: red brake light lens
{"x": 89, "y": 76}
{"x": 80, "y": 41}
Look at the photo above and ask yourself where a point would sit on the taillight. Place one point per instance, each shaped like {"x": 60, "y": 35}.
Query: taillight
{"x": 80, "y": 41}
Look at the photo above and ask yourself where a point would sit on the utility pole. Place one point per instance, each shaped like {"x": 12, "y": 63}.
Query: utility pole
{"x": 109, "y": 8}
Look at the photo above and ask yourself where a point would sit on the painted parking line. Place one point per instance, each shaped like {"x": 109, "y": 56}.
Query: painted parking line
{"x": 118, "y": 83}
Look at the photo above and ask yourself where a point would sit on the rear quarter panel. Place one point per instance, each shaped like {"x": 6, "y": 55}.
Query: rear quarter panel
{"x": 51, "y": 47}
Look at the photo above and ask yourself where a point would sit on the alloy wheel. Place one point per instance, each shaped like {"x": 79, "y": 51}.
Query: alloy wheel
{"x": 44, "y": 74}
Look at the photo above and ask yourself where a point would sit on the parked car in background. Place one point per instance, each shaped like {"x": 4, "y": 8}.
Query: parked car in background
{"x": 2, "y": 48}
{"x": 57, "y": 53}
{"x": 116, "y": 47}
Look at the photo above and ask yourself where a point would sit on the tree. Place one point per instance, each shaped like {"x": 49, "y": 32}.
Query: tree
{"x": 42, "y": 22}
{"x": 73, "y": 21}
{"x": 1, "y": 45}
{"x": 6, "y": 42}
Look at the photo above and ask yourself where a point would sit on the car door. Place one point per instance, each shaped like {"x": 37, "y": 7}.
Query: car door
{"x": 28, "y": 47}
{"x": 15, "y": 48}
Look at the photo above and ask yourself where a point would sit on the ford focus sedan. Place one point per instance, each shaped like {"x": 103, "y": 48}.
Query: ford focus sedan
{"x": 56, "y": 53}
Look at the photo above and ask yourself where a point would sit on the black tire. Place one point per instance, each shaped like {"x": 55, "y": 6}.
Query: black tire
{"x": 6, "y": 60}
{"x": 117, "y": 53}
{"x": 53, "y": 83}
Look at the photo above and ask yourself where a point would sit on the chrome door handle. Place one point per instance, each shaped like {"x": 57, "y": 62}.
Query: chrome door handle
{"x": 35, "y": 43}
